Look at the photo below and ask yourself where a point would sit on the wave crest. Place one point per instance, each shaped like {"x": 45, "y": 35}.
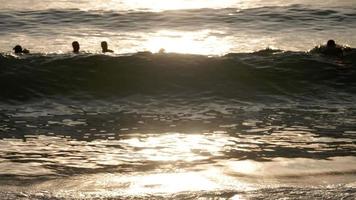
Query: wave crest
{"x": 267, "y": 71}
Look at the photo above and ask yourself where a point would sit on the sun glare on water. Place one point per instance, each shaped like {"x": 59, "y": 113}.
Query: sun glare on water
{"x": 168, "y": 151}
{"x": 160, "y": 5}
{"x": 201, "y": 42}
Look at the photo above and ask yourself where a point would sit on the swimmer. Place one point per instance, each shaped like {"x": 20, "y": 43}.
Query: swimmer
{"x": 104, "y": 46}
{"x": 18, "y": 49}
{"x": 75, "y": 46}
{"x": 332, "y": 49}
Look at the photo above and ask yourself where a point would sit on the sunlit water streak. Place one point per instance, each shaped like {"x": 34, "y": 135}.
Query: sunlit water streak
{"x": 165, "y": 164}
{"x": 108, "y": 152}
{"x": 160, "y": 5}
{"x": 210, "y": 28}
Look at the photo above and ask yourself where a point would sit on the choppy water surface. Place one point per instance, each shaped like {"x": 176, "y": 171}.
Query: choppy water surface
{"x": 194, "y": 26}
{"x": 266, "y": 124}
{"x": 214, "y": 150}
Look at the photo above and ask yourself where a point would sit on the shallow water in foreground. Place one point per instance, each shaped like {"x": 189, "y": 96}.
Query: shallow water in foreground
{"x": 228, "y": 150}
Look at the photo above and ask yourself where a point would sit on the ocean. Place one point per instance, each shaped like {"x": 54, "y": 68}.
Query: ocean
{"x": 236, "y": 107}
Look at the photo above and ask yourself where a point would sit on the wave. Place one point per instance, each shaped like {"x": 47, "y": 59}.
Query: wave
{"x": 267, "y": 71}
{"x": 264, "y": 17}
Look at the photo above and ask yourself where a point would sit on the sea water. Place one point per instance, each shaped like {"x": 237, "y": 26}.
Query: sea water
{"x": 237, "y": 108}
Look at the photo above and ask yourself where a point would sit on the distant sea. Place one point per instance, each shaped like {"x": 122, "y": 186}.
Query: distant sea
{"x": 236, "y": 107}
{"x": 209, "y": 27}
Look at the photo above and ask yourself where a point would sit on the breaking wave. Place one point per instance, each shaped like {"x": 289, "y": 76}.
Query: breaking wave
{"x": 264, "y": 72}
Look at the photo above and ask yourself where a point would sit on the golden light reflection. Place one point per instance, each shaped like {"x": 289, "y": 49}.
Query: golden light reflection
{"x": 177, "y": 146}
{"x": 200, "y": 42}
{"x": 244, "y": 167}
{"x": 159, "y": 5}
{"x": 136, "y": 173}
{"x": 209, "y": 179}
{"x": 171, "y": 183}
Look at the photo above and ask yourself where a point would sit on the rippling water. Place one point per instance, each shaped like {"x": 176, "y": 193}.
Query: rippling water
{"x": 244, "y": 122}
{"x": 200, "y": 27}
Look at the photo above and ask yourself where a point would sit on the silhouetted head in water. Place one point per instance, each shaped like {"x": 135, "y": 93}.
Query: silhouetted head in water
{"x": 18, "y": 49}
{"x": 331, "y": 44}
{"x": 332, "y": 49}
{"x": 75, "y": 46}
{"x": 104, "y": 46}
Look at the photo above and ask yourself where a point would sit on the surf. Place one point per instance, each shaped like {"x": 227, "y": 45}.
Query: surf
{"x": 266, "y": 71}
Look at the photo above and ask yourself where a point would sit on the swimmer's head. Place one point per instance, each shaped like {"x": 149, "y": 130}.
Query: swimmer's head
{"x": 331, "y": 43}
{"x": 17, "y": 49}
{"x": 75, "y": 46}
{"x": 104, "y": 45}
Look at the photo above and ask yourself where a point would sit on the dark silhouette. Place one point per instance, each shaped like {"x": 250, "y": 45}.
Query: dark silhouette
{"x": 18, "y": 49}
{"x": 104, "y": 46}
{"x": 332, "y": 49}
{"x": 331, "y": 44}
{"x": 75, "y": 46}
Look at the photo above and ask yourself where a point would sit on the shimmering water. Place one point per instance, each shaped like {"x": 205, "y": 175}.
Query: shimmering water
{"x": 271, "y": 124}
{"x": 194, "y": 26}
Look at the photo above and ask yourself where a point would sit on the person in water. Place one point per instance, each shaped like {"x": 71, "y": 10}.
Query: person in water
{"x": 332, "y": 49}
{"x": 104, "y": 46}
{"x": 18, "y": 49}
{"x": 75, "y": 46}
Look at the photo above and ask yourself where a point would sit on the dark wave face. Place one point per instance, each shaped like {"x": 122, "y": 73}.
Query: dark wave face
{"x": 265, "y": 72}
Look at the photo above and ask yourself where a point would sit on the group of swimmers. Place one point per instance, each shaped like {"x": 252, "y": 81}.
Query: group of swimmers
{"x": 330, "y": 49}
{"x": 75, "y": 44}
{"x": 104, "y": 47}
